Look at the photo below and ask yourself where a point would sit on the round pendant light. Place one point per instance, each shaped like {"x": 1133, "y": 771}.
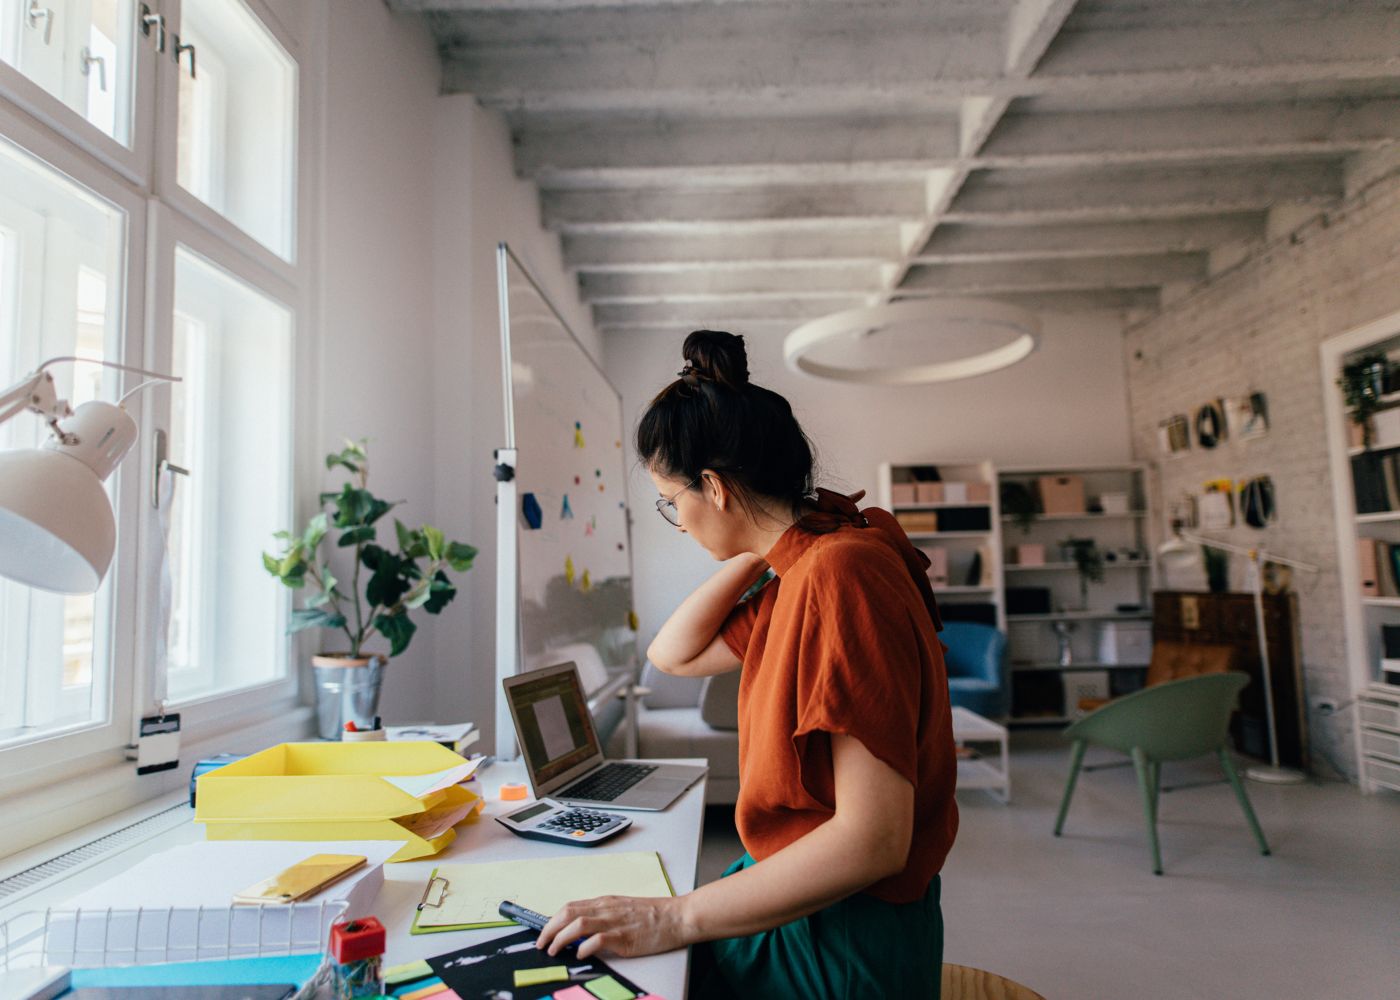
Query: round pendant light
{"x": 1011, "y": 332}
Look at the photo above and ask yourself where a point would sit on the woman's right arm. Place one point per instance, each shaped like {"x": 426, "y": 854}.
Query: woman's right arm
{"x": 689, "y": 644}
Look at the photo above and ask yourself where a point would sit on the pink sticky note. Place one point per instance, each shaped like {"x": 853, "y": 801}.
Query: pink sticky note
{"x": 574, "y": 993}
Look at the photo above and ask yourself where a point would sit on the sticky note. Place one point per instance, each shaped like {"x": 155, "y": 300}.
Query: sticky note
{"x": 569, "y": 570}
{"x": 608, "y": 988}
{"x": 530, "y": 508}
{"x": 549, "y": 974}
{"x": 408, "y": 970}
{"x": 422, "y": 991}
{"x": 574, "y": 993}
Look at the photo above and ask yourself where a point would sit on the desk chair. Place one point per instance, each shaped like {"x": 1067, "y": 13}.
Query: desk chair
{"x": 976, "y": 663}
{"x": 1173, "y": 721}
{"x": 960, "y": 982}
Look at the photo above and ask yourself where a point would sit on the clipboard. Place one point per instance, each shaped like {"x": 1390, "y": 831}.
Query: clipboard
{"x": 560, "y": 879}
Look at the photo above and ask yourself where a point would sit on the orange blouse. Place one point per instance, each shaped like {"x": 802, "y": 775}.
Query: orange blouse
{"x": 843, "y": 641}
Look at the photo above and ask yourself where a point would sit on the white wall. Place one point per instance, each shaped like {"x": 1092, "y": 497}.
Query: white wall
{"x": 374, "y": 360}
{"x": 1257, "y": 327}
{"x": 1066, "y": 403}
{"x": 478, "y": 202}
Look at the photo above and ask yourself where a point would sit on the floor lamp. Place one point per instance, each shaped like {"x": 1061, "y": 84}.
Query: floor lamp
{"x": 1274, "y": 773}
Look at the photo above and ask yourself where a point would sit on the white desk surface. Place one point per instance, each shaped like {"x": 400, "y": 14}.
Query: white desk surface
{"x": 675, "y": 834}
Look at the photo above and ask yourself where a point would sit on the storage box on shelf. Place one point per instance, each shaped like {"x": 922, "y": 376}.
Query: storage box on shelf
{"x": 1062, "y": 637}
{"x": 1366, "y": 499}
{"x": 956, "y": 520}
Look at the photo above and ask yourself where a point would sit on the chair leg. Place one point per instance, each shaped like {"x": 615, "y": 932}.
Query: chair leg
{"x": 1149, "y": 804}
{"x": 1075, "y": 761}
{"x": 1155, "y": 770}
{"x": 1229, "y": 766}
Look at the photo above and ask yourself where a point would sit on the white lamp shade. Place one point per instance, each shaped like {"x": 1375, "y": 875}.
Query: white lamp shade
{"x": 56, "y": 527}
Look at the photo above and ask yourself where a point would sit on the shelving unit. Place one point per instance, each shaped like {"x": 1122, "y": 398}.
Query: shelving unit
{"x": 961, "y": 598}
{"x": 1043, "y": 688}
{"x": 1377, "y": 733}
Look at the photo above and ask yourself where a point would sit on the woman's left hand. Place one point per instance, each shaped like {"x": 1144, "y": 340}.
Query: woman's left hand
{"x": 625, "y": 925}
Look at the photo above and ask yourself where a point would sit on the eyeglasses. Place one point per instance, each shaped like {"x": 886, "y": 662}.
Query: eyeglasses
{"x": 666, "y": 506}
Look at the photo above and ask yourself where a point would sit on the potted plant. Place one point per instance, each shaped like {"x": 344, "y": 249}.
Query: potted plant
{"x": 1018, "y": 502}
{"x": 1363, "y": 382}
{"x": 1089, "y": 561}
{"x": 397, "y": 580}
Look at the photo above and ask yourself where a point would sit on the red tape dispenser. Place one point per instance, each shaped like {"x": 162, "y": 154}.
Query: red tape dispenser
{"x": 357, "y": 946}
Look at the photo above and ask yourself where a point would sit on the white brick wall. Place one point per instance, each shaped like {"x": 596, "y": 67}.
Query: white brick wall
{"x": 1257, "y": 327}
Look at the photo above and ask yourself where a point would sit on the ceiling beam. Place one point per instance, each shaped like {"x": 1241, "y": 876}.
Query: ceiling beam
{"x": 1079, "y": 301}
{"x": 598, "y": 147}
{"x": 644, "y": 209}
{"x": 961, "y": 243}
{"x": 1024, "y": 197}
{"x": 673, "y": 251}
{"x": 740, "y": 282}
{"x": 1097, "y": 138}
{"x": 733, "y": 312}
{"x": 1089, "y": 273}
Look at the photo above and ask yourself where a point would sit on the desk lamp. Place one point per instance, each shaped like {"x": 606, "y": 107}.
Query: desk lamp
{"x": 1176, "y": 549}
{"x": 57, "y": 531}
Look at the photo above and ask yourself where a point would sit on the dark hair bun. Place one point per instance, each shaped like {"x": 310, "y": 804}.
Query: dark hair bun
{"x": 717, "y": 356}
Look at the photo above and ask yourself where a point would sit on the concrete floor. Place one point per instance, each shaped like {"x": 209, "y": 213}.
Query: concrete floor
{"x": 1082, "y": 916}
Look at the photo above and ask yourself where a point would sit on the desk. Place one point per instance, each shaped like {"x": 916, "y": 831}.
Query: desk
{"x": 675, "y": 834}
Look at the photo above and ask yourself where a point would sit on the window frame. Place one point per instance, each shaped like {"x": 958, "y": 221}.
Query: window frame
{"x": 155, "y": 220}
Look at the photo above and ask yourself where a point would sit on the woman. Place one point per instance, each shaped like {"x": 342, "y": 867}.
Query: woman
{"x": 846, "y": 762}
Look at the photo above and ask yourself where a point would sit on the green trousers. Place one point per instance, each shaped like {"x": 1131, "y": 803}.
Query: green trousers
{"x": 861, "y": 947}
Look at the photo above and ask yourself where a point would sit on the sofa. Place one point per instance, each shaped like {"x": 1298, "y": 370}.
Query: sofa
{"x": 689, "y": 717}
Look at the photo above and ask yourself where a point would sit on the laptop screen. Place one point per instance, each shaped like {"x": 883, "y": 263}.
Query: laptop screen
{"x": 552, "y": 720}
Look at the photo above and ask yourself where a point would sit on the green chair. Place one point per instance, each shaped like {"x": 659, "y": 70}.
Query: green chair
{"x": 1173, "y": 721}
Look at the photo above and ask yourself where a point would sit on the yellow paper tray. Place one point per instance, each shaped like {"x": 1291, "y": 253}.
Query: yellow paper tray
{"x": 326, "y": 791}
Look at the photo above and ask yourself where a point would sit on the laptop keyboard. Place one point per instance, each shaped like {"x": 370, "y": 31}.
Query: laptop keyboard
{"x": 608, "y": 783}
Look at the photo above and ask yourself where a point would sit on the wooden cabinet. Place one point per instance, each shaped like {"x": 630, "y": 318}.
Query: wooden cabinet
{"x": 1188, "y": 616}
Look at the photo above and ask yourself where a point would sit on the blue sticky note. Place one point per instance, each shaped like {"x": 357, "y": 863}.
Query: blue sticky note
{"x": 530, "y": 507}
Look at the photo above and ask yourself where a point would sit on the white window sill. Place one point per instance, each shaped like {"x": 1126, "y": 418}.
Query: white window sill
{"x": 49, "y": 815}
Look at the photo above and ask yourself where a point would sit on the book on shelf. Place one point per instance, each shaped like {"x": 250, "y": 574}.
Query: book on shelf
{"x": 1378, "y": 564}
{"x": 1375, "y": 480}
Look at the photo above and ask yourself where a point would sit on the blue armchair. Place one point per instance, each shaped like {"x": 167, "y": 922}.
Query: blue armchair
{"x": 976, "y": 661}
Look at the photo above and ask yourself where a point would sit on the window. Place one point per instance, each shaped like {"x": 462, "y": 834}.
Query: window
{"x": 157, "y": 232}
{"x": 235, "y": 147}
{"x": 80, "y": 51}
{"x": 231, "y": 426}
{"x": 62, "y": 250}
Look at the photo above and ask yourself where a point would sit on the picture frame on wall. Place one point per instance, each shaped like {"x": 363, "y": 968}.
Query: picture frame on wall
{"x": 1247, "y": 416}
{"x": 1210, "y": 426}
{"x": 1174, "y": 435}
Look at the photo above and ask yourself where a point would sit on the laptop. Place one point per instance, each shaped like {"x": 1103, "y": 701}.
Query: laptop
{"x": 564, "y": 759}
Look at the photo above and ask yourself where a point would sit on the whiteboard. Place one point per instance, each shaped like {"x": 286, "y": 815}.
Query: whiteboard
{"x": 568, "y": 535}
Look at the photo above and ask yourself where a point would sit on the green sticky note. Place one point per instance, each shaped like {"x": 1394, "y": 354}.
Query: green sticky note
{"x": 608, "y": 988}
{"x": 549, "y": 974}
{"x": 408, "y": 970}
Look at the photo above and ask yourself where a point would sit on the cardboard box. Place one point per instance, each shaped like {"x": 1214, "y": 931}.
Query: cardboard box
{"x": 1030, "y": 554}
{"x": 928, "y": 492}
{"x": 979, "y": 492}
{"x": 902, "y": 493}
{"x": 1061, "y": 494}
{"x": 332, "y": 791}
{"x": 1084, "y": 684}
{"x": 938, "y": 567}
{"x": 918, "y": 520}
{"x": 955, "y": 492}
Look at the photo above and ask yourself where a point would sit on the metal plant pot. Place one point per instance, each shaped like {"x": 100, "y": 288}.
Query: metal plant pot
{"x": 347, "y": 690}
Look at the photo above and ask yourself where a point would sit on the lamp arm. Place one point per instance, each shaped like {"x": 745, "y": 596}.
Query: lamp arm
{"x": 1258, "y": 554}
{"x": 36, "y": 391}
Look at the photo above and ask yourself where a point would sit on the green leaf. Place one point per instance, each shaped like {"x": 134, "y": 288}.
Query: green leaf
{"x": 460, "y": 556}
{"x": 377, "y": 509}
{"x": 355, "y": 536}
{"x": 435, "y": 540}
{"x": 313, "y": 618}
{"x": 373, "y": 555}
{"x": 389, "y": 582}
{"x": 318, "y": 599}
{"x": 270, "y": 563}
{"x": 282, "y": 536}
{"x": 315, "y": 531}
{"x": 328, "y": 579}
{"x": 290, "y": 562}
{"x": 440, "y": 593}
{"x": 418, "y": 595}
{"x": 397, "y": 629}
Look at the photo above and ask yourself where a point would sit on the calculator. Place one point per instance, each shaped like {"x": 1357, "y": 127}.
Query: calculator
{"x": 558, "y": 823}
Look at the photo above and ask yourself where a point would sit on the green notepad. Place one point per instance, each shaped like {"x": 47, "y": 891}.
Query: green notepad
{"x": 473, "y": 892}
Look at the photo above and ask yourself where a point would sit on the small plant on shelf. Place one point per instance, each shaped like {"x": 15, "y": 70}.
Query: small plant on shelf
{"x": 1088, "y": 560}
{"x": 1018, "y": 502}
{"x": 1363, "y": 382}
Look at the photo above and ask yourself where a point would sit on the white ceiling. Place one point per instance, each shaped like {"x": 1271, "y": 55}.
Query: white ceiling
{"x": 752, "y": 163}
